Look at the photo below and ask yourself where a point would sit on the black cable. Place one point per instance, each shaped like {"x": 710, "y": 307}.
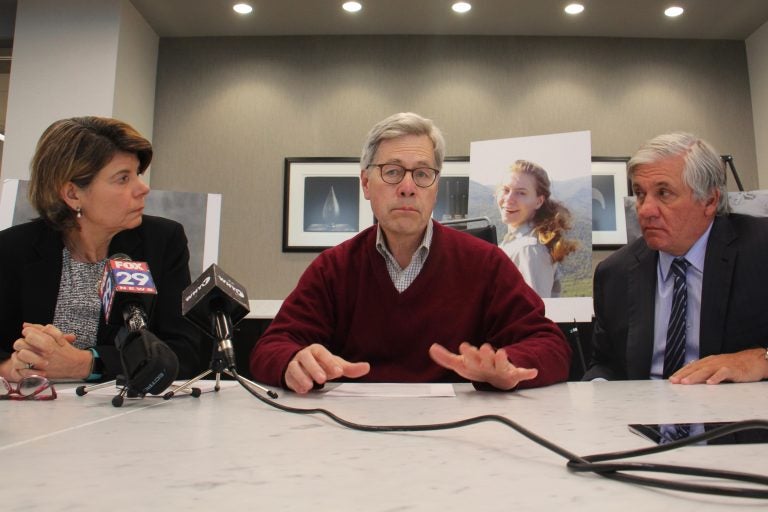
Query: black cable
{"x": 590, "y": 463}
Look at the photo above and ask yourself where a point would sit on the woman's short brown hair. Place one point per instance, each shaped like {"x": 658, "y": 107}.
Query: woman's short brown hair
{"x": 75, "y": 150}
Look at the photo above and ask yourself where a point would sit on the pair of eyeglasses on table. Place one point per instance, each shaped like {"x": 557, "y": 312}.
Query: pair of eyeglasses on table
{"x": 33, "y": 387}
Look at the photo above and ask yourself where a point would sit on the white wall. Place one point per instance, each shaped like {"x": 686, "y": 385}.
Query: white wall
{"x": 75, "y": 58}
{"x": 757, "y": 58}
{"x": 63, "y": 65}
{"x": 136, "y": 76}
{"x": 4, "y": 80}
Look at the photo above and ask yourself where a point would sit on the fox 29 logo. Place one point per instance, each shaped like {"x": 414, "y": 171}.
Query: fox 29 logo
{"x": 124, "y": 277}
{"x": 132, "y": 276}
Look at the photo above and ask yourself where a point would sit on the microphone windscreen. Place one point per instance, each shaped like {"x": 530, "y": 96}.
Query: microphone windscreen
{"x": 149, "y": 364}
{"x": 214, "y": 291}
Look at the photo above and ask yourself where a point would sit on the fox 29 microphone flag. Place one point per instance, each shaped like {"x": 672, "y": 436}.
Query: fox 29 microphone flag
{"x": 124, "y": 281}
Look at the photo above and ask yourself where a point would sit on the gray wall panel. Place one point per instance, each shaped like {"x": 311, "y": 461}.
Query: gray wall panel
{"x": 228, "y": 110}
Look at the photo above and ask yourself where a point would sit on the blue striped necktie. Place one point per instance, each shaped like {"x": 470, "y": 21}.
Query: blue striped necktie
{"x": 674, "y": 354}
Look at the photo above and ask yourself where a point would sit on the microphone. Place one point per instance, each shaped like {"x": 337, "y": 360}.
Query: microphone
{"x": 215, "y": 302}
{"x": 149, "y": 364}
{"x": 126, "y": 292}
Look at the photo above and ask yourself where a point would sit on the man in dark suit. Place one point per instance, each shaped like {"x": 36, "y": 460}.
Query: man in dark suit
{"x": 712, "y": 324}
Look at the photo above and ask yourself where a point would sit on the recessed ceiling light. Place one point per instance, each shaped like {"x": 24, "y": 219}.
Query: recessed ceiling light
{"x": 461, "y": 7}
{"x": 352, "y": 6}
{"x": 574, "y": 8}
{"x": 242, "y": 8}
{"x": 673, "y": 11}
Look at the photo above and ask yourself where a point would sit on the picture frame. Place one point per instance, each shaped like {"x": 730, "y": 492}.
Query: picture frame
{"x": 323, "y": 203}
{"x": 453, "y": 194}
{"x": 610, "y": 186}
{"x": 314, "y": 218}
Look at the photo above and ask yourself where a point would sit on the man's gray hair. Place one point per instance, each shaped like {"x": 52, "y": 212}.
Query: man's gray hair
{"x": 398, "y": 125}
{"x": 703, "y": 169}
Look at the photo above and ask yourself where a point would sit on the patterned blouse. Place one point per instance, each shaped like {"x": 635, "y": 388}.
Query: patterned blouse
{"x": 78, "y": 306}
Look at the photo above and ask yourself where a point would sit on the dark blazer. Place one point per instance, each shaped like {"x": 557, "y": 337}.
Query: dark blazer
{"x": 30, "y": 273}
{"x": 734, "y": 299}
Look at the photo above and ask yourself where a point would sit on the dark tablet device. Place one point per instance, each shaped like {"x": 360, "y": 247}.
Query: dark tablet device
{"x": 665, "y": 433}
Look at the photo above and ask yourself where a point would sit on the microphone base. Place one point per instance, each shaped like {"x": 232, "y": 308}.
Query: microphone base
{"x": 217, "y": 367}
{"x": 195, "y": 392}
{"x": 117, "y": 400}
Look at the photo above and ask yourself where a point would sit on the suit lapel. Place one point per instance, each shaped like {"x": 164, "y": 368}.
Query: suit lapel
{"x": 719, "y": 263}
{"x": 641, "y": 300}
{"x": 42, "y": 276}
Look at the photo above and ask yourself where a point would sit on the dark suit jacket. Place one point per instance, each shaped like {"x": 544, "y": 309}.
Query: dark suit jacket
{"x": 30, "y": 272}
{"x": 734, "y": 299}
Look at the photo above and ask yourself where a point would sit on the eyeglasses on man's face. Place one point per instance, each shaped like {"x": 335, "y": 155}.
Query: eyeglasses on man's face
{"x": 33, "y": 387}
{"x": 393, "y": 174}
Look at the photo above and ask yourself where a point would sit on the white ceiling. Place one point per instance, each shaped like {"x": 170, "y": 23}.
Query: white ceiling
{"x": 703, "y": 19}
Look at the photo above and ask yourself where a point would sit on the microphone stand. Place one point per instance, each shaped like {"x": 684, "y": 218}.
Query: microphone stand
{"x": 222, "y": 360}
{"x": 117, "y": 400}
{"x": 127, "y": 389}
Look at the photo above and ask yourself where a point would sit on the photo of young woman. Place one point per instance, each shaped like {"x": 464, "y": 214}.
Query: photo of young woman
{"x": 536, "y": 226}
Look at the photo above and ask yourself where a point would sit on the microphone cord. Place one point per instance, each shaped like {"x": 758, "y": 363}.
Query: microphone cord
{"x": 597, "y": 463}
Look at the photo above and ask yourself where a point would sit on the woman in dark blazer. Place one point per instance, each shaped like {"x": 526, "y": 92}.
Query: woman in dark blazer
{"x": 86, "y": 185}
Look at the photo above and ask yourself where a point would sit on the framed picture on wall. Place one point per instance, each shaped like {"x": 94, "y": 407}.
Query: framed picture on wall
{"x": 453, "y": 192}
{"x": 609, "y": 188}
{"x": 323, "y": 203}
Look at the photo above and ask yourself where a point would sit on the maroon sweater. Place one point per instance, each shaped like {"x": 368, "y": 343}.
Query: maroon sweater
{"x": 468, "y": 290}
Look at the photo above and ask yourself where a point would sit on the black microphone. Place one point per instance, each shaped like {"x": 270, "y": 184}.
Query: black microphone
{"x": 215, "y": 302}
{"x": 126, "y": 292}
{"x": 149, "y": 364}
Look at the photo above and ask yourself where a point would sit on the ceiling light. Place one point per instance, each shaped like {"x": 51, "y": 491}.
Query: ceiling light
{"x": 574, "y": 8}
{"x": 673, "y": 11}
{"x": 352, "y": 6}
{"x": 242, "y": 8}
{"x": 461, "y": 7}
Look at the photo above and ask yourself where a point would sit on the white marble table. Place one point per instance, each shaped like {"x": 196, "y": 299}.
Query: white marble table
{"x": 228, "y": 450}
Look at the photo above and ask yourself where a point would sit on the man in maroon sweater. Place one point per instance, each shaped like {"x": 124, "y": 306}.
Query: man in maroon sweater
{"x": 409, "y": 300}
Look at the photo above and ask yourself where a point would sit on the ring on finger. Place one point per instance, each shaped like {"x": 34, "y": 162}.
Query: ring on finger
{"x": 29, "y": 366}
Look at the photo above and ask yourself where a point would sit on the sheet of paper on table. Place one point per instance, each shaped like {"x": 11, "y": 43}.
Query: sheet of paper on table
{"x": 391, "y": 390}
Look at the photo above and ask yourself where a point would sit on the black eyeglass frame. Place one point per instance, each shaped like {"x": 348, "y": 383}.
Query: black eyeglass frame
{"x": 405, "y": 171}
